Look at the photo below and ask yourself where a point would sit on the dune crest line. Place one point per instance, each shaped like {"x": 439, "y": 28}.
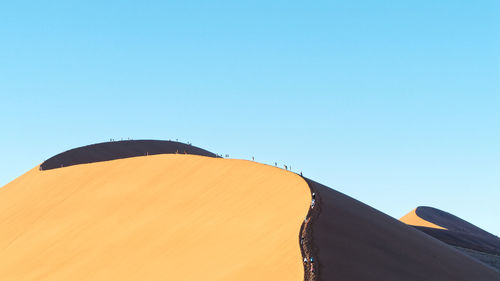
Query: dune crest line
{"x": 307, "y": 247}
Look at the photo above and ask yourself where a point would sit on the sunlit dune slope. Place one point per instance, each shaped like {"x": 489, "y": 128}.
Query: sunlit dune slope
{"x": 162, "y": 217}
{"x": 413, "y": 219}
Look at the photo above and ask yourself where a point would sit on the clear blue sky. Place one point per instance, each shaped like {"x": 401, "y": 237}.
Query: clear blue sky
{"x": 395, "y": 103}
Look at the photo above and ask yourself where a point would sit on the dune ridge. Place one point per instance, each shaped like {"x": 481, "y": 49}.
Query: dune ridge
{"x": 307, "y": 244}
{"x": 114, "y": 150}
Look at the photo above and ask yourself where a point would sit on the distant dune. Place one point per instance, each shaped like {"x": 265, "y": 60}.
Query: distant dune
{"x": 457, "y": 233}
{"x": 152, "y": 210}
{"x": 452, "y": 230}
{"x": 443, "y": 220}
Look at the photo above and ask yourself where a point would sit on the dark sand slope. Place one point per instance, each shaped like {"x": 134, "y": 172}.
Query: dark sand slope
{"x": 355, "y": 242}
{"x": 118, "y": 150}
{"x": 464, "y": 240}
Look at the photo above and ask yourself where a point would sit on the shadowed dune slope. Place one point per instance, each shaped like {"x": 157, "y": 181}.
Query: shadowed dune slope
{"x": 162, "y": 217}
{"x": 358, "y": 243}
{"x": 118, "y": 150}
{"x": 464, "y": 240}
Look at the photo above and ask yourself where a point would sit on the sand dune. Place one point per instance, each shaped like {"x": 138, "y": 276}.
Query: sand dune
{"x": 192, "y": 217}
{"x": 163, "y": 217}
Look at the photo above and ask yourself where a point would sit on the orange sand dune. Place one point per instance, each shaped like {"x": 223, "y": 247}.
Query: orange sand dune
{"x": 163, "y": 217}
{"x": 413, "y": 219}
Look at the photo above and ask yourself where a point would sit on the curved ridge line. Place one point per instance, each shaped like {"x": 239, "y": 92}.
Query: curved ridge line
{"x": 412, "y": 218}
{"x": 115, "y": 150}
{"x": 307, "y": 247}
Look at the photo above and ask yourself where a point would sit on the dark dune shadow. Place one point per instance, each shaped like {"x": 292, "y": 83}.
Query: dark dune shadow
{"x": 358, "y": 243}
{"x": 119, "y": 149}
{"x": 465, "y": 240}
